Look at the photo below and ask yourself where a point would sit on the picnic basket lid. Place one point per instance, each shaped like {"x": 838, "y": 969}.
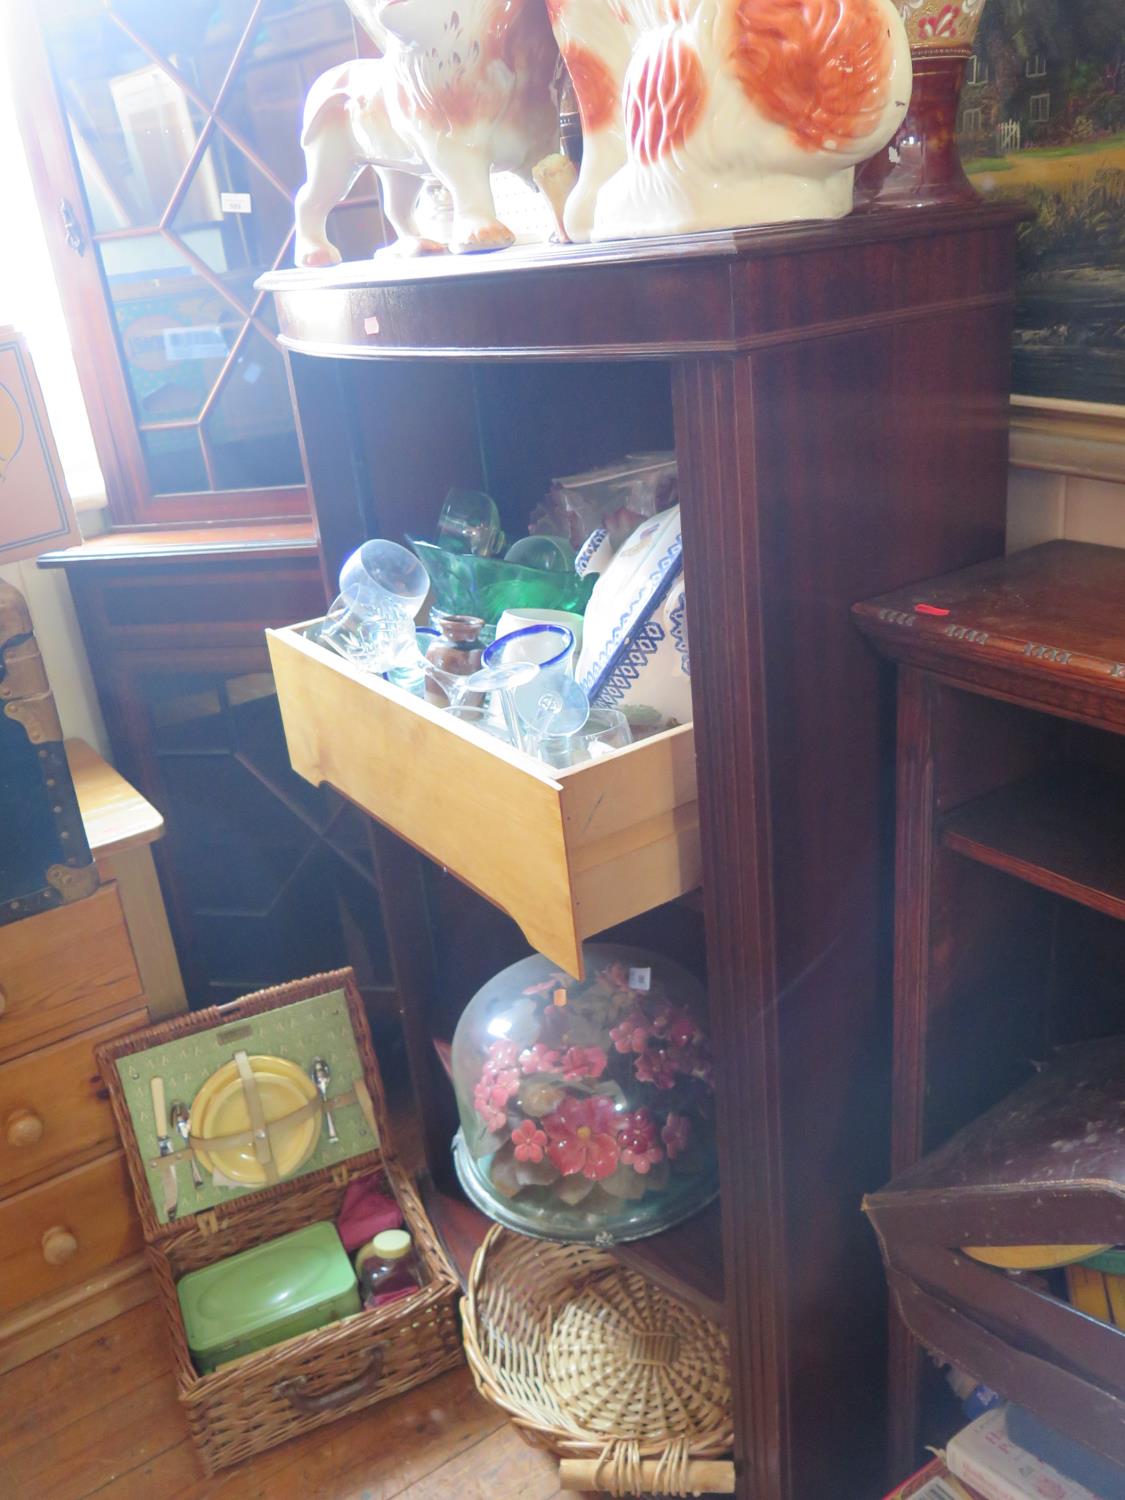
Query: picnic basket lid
{"x": 318, "y": 1017}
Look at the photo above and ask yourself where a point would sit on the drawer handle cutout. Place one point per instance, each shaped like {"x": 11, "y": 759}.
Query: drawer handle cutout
{"x": 310, "y": 1406}
{"x": 3, "y": 1000}
{"x": 59, "y": 1245}
{"x": 23, "y": 1127}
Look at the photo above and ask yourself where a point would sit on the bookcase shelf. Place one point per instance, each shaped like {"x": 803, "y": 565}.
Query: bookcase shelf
{"x": 1062, "y": 831}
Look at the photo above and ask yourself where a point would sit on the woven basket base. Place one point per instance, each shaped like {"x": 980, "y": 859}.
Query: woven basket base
{"x": 593, "y": 1361}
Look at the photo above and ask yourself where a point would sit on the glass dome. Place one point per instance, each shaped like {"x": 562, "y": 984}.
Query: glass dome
{"x": 587, "y": 1108}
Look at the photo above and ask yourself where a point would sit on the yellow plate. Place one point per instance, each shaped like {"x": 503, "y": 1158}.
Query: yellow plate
{"x": 1032, "y": 1257}
{"x": 220, "y": 1109}
{"x": 261, "y": 1063}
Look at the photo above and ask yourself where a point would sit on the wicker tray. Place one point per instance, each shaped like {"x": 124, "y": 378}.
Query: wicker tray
{"x": 266, "y": 1398}
{"x": 598, "y": 1365}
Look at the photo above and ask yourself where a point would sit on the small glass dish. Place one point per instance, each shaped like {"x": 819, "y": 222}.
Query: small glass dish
{"x": 606, "y": 730}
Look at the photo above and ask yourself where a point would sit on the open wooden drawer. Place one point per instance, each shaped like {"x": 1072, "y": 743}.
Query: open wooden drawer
{"x": 565, "y": 853}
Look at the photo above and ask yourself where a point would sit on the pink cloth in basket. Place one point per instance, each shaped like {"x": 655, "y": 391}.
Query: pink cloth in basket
{"x": 365, "y": 1212}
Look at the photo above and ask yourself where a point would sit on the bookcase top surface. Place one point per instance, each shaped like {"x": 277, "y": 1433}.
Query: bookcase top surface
{"x": 657, "y": 298}
{"x": 1057, "y": 610}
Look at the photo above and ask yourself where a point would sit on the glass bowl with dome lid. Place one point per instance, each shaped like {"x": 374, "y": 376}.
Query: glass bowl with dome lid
{"x": 587, "y": 1106}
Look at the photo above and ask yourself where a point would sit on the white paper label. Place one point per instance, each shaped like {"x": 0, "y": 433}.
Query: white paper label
{"x": 640, "y": 979}
{"x": 235, "y": 203}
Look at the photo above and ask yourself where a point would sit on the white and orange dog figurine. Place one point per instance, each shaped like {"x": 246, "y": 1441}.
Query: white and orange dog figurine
{"x": 463, "y": 87}
{"x": 709, "y": 114}
{"x": 696, "y": 114}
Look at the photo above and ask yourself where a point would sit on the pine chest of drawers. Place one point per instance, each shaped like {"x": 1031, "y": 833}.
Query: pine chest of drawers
{"x": 72, "y": 977}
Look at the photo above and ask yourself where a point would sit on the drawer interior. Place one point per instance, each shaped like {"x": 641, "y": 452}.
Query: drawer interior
{"x": 566, "y": 854}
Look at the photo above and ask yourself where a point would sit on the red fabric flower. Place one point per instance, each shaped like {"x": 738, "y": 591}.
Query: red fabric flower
{"x": 582, "y": 1137}
{"x": 494, "y": 1088}
{"x": 503, "y": 1085}
{"x": 615, "y": 976}
{"x": 636, "y": 1141}
{"x": 503, "y": 1054}
{"x": 584, "y": 1062}
{"x": 693, "y": 1059}
{"x": 675, "y": 1135}
{"x": 529, "y": 1141}
{"x": 632, "y": 1034}
{"x": 539, "y": 1059}
{"x": 662, "y": 1018}
{"x": 682, "y": 1030}
{"x": 656, "y": 1068}
{"x": 494, "y": 1118}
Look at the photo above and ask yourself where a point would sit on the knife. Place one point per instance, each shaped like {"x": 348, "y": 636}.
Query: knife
{"x": 163, "y": 1141}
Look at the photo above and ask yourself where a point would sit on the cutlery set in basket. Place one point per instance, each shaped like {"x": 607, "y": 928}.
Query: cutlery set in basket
{"x": 255, "y": 1120}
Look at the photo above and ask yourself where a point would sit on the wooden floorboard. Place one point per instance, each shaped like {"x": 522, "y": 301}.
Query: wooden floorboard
{"x": 99, "y": 1416}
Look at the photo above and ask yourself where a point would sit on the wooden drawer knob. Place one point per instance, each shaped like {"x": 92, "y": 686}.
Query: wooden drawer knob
{"x": 59, "y": 1245}
{"x": 23, "y": 1127}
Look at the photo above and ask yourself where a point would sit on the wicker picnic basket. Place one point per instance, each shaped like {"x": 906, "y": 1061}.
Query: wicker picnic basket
{"x": 597, "y": 1364}
{"x": 266, "y": 1398}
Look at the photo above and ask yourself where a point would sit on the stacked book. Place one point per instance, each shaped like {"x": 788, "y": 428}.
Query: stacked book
{"x": 983, "y": 1463}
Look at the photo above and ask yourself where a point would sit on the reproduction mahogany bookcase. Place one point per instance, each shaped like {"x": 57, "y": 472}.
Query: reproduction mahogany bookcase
{"x": 837, "y": 398}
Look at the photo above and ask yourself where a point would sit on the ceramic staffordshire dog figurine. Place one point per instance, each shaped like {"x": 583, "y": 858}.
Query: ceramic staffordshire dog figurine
{"x": 463, "y": 87}
{"x": 709, "y": 114}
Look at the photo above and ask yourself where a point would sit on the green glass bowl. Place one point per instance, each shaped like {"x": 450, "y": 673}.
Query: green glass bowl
{"x": 487, "y": 586}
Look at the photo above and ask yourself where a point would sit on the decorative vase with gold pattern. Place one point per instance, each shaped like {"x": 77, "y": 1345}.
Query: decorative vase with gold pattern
{"x": 922, "y": 164}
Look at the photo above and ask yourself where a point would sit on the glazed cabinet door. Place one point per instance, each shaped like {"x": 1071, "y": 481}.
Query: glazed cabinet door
{"x": 164, "y": 143}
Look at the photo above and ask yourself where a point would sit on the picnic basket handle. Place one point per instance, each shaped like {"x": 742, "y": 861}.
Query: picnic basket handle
{"x": 311, "y": 1406}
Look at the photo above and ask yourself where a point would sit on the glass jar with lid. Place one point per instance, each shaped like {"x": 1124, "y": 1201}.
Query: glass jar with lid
{"x": 587, "y": 1107}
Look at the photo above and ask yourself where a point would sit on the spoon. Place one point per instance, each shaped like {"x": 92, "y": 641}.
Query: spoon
{"x": 181, "y": 1124}
{"x": 321, "y": 1073}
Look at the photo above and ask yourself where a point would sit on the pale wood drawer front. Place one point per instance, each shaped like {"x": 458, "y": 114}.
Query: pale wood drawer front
{"x": 64, "y": 969}
{"x": 58, "y": 1234}
{"x": 565, "y": 853}
{"x": 54, "y": 1107}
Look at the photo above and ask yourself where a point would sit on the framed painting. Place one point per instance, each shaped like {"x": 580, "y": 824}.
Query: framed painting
{"x": 35, "y": 508}
{"x": 1042, "y": 118}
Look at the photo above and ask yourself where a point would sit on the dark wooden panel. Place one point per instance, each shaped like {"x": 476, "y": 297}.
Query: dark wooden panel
{"x": 715, "y": 442}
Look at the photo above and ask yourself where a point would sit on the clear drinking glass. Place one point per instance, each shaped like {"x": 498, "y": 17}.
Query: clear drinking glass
{"x": 469, "y": 522}
{"x": 551, "y": 554}
{"x": 382, "y": 588}
{"x": 551, "y": 701}
{"x": 549, "y": 646}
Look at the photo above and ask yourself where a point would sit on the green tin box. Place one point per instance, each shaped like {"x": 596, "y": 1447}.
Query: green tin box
{"x": 287, "y": 1286}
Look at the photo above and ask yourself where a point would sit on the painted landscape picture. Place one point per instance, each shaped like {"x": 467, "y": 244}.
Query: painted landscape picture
{"x": 1042, "y": 118}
